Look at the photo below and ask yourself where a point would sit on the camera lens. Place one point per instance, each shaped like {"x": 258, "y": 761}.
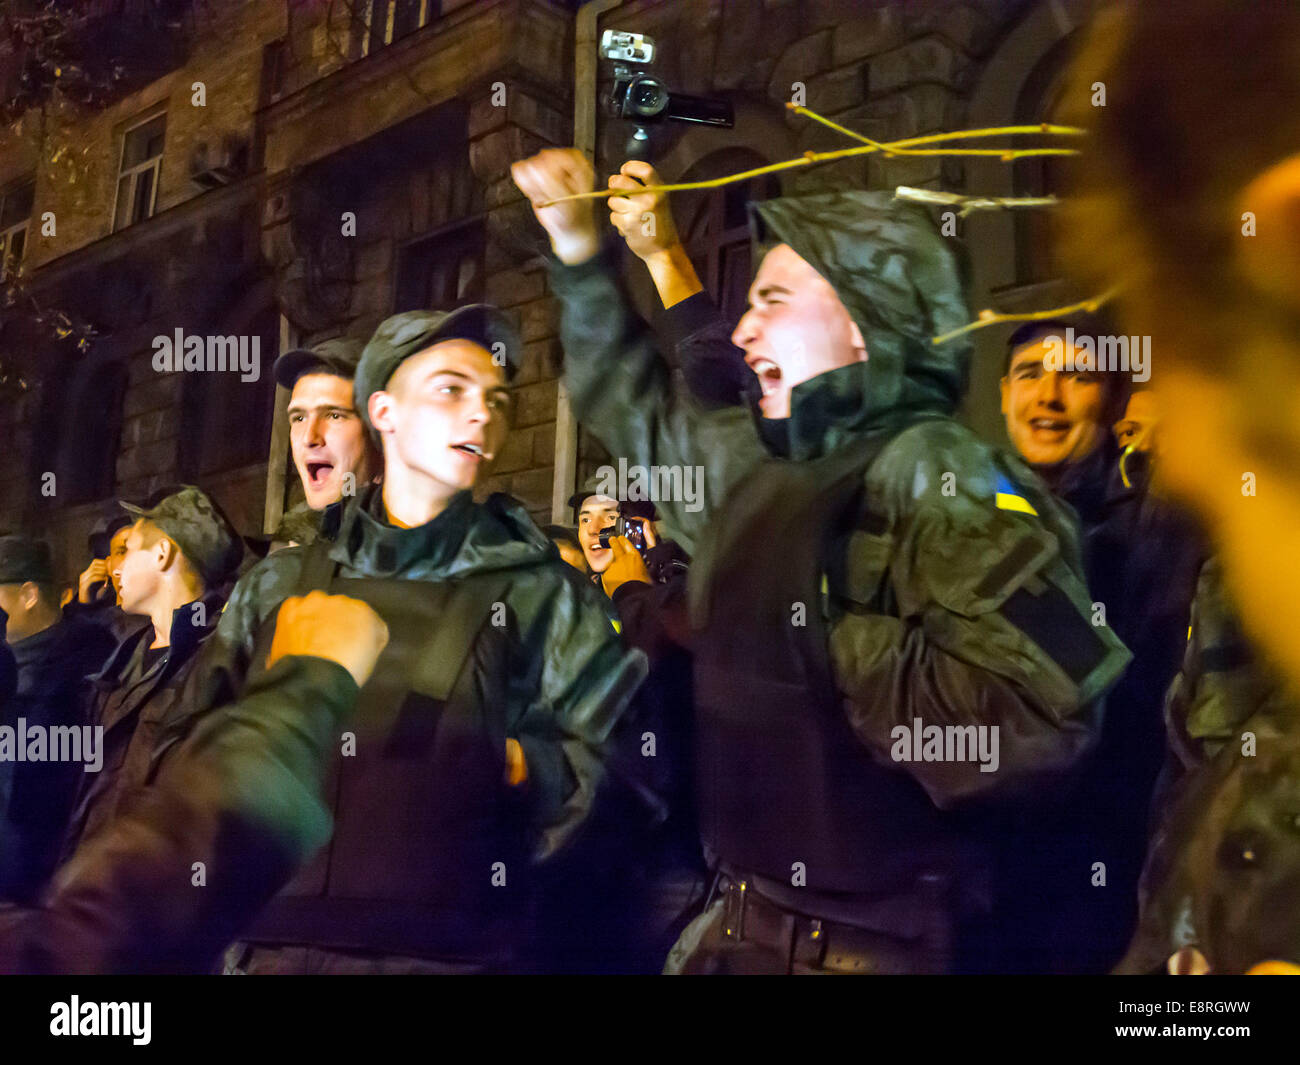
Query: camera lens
{"x": 647, "y": 97}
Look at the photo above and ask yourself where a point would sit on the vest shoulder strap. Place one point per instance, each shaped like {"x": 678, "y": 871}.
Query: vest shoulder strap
{"x": 318, "y": 568}
{"x": 444, "y": 655}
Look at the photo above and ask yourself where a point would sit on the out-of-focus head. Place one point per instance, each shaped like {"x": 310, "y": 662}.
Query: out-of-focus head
{"x": 1137, "y": 428}
{"x": 28, "y": 594}
{"x": 1190, "y": 202}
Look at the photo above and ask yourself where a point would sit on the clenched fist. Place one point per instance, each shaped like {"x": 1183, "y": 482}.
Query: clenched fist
{"x": 550, "y": 175}
{"x": 643, "y": 218}
{"x": 336, "y": 627}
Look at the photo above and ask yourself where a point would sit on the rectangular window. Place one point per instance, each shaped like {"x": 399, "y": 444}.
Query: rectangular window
{"x": 137, "y": 182}
{"x": 387, "y": 21}
{"x": 15, "y": 214}
{"x": 441, "y": 272}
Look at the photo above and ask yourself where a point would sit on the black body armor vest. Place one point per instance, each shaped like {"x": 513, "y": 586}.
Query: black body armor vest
{"x": 783, "y": 779}
{"x": 422, "y": 813}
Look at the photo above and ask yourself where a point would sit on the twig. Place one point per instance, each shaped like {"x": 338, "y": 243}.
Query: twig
{"x": 989, "y": 317}
{"x": 970, "y": 203}
{"x": 893, "y": 147}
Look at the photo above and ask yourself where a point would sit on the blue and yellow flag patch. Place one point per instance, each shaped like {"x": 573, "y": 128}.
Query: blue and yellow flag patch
{"x": 1007, "y": 496}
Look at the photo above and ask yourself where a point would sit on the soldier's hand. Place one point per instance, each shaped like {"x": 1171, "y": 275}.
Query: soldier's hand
{"x": 95, "y": 573}
{"x": 627, "y": 565}
{"x": 550, "y": 175}
{"x": 644, "y": 219}
{"x": 337, "y": 627}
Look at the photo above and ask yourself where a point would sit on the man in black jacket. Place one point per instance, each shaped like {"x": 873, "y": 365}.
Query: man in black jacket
{"x": 1141, "y": 555}
{"x": 54, "y": 656}
{"x": 177, "y": 552}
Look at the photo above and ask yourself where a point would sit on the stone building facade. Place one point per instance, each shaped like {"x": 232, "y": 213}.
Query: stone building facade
{"x": 348, "y": 159}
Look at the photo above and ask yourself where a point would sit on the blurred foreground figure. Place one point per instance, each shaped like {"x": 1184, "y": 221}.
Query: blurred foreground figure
{"x": 1192, "y": 205}
{"x": 864, "y": 568}
{"x": 233, "y": 811}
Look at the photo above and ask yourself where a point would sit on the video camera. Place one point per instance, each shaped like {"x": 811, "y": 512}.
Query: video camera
{"x": 644, "y": 100}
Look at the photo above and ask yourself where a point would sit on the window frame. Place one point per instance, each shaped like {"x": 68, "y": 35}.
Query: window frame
{"x": 7, "y": 235}
{"x": 154, "y": 163}
{"x": 390, "y": 22}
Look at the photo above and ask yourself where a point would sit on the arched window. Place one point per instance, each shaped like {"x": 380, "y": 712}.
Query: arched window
{"x": 714, "y": 225}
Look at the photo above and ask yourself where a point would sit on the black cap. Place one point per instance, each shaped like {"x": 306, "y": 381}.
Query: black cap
{"x": 199, "y": 528}
{"x": 629, "y": 508}
{"x": 338, "y": 356}
{"x": 23, "y": 559}
{"x": 409, "y": 333}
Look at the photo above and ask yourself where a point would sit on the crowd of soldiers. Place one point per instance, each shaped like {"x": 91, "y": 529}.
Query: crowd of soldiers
{"x": 414, "y": 732}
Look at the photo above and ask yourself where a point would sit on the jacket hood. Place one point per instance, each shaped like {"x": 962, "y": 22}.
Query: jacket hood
{"x": 900, "y": 281}
{"x": 465, "y": 538}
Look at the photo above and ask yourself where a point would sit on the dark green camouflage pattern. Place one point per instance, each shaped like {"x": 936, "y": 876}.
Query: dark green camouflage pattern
{"x": 1223, "y": 870}
{"x": 199, "y": 529}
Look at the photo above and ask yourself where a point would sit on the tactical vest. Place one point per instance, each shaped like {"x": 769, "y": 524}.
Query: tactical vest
{"x": 783, "y": 779}
{"x": 422, "y": 813}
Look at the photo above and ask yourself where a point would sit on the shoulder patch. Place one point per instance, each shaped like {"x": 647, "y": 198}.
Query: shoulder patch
{"x": 1007, "y": 496}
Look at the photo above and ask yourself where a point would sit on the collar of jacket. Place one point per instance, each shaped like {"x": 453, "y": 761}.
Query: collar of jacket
{"x": 843, "y": 405}
{"x": 1086, "y": 484}
{"x": 466, "y": 537}
{"x": 40, "y": 644}
{"x": 185, "y": 637}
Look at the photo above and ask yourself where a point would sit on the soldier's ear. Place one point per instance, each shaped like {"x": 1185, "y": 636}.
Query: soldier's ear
{"x": 859, "y": 344}
{"x": 1004, "y": 386}
{"x": 1269, "y": 219}
{"x": 380, "y": 408}
{"x": 165, "y": 553}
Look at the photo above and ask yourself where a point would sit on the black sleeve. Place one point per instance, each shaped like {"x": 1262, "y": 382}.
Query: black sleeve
{"x": 239, "y": 801}
{"x": 713, "y": 367}
{"x": 653, "y": 617}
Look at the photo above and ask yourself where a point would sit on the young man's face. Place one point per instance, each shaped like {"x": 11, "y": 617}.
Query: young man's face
{"x": 444, "y": 413}
{"x": 327, "y": 438}
{"x": 795, "y": 329}
{"x": 139, "y": 574}
{"x": 1137, "y": 429}
{"x": 596, "y": 513}
{"x": 1052, "y": 416}
{"x": 117, "y": 552}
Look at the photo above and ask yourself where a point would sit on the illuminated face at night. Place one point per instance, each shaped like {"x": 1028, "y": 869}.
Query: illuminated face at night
{"x": 597, "y": 513}
{"x": 795, "y": 329}
{"x": 327, "y": 438}
{"x": 444, "y": 414}
{"x": 1052, "y": 416}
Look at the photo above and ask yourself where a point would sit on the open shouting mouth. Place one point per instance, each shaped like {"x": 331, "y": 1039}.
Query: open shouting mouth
{"x": 319, "y": 473}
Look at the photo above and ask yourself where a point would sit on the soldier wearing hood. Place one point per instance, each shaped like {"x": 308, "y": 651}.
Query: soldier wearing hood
{"x": 868, "y": 574}
{"x": 479, "y": 740}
